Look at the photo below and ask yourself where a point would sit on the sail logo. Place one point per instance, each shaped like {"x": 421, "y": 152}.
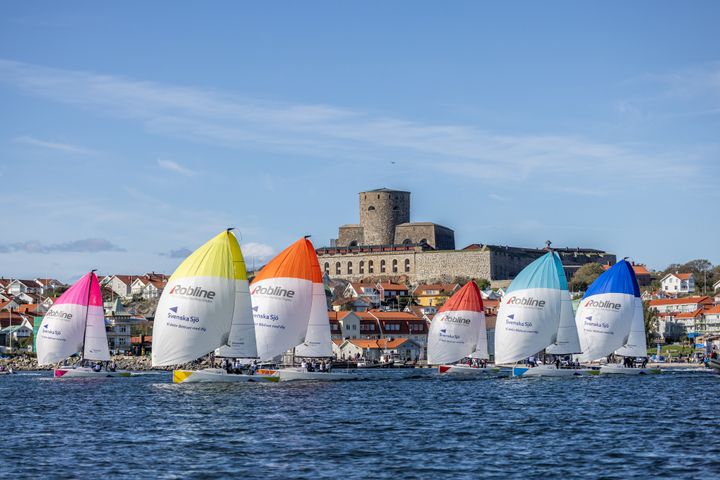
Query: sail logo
{"x": 197, "y": 292}
{"x": 526, "y": 301}
{"x": 59, "y": 314}
{"x": 274, "y": 291}
{"x": 455, "y": 319}
{"x": 607, "y": 305}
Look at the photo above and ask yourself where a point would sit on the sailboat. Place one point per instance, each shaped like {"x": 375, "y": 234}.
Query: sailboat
{"x": 76, "y": 323}
{"x": 290, "y": 309}
{"x": 205, "y": 306}
{"x": 607, "y": 313}
{"x": 530, "y": 314}
{"x": 566, "y": 342}
{"x": 459, "y": 331}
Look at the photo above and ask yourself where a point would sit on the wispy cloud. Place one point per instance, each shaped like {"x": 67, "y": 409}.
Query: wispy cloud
{"x": 259, "y": 251}
{"x": 175, "y": 167}
{"x": 179, "y": 253}
{"x": 88, "y": 245}
{"x": 495, "y": 196}
{"x": 234, "y": 121}
{"x": 63, "y": 147}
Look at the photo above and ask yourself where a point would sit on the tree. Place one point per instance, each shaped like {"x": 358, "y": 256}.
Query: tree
{"x": 701, "y": 269}
{"x": 650, "y": 318}
{"x": 585, "y": 275}
{"x": 482, "y": 283}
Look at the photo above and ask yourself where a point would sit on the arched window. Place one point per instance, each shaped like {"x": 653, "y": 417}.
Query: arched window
{"x": 407, "y": 241}
{"x": 349, "y": 268}
{"x": 396, "y": 208}
{"x": 354, "y": 243}
{"x": 395, "y": 263}
{"x": 371, "y": 208}
{"x": 423, "y": 240}
{"x": 371, "y": 267}
{"x": 337, "y": 268}
{"x": 327, "y": 267}
{"x": 407, "y": 265}
{"x": 382, "y": 266}
{"x": 362, "y": 266}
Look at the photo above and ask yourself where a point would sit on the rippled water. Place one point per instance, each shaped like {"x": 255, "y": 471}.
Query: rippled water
{"x": 397, "y": 424}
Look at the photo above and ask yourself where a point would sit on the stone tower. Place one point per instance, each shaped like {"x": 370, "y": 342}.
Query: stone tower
{"x": 381, "y": 211}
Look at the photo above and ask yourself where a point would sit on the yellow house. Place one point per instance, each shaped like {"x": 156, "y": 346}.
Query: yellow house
{"x": 435, "y": 294}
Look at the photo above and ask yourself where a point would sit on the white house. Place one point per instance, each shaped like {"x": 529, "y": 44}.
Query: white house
{"x": 403, "y": 349}
{"x": 716, "y": 286}
{"x": 680, "y": 305}
{"x": 678, "y": 283}
{"x": 355, "y": 290}
{"x": 121, "y": 285}
{"x": 17, "y": 287}
{"x": 711, "y": 322}
{"x": 153, "y": 289}
{"x": 9, "y": 305}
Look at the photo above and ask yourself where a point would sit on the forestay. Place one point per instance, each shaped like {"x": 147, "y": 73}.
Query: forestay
{"x": 195, "y": 311}
{"x": 458, "y": 330}
{"x": 606, "y": 312}
{"x": 529, "y": 313}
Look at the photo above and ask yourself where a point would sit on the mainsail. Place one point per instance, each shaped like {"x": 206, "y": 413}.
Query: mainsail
{"x": 282, "y": 295}
{"x": 458, "y": 329}
{"x": 241, "y": 343}
{"x": 567, "y": 341}
{"x": 195, "y": 311}
{"x": 75, "y": 323}
{"x": 606, "y": 312}
{"x": 529, "y": 313}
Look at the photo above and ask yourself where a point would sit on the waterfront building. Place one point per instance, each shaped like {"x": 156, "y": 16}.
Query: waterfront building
{"x": 17, "y": 287}
{"x": 122, "y": 325}
{"x": 711, "y": 321}
{"x": 386, "y": 245}
{"x": 390, "y": 293}
{"x": 678, "y": 283}
{"x": 680, "y": 305}
{"x": 398, "y": 349}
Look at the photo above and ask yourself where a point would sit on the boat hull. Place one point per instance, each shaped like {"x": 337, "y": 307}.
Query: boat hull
{"x": 545, "y": 371}
{"x": 299, "y": 374}
{"x": 714, "y": 364}
{"x": 621, "y": 370}
{"x": 468, "y": 371}
{"x": 217, "y": 375}
{"x": 85, "y": 372}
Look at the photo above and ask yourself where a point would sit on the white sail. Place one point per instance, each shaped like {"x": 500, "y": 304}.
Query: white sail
{"x": 96, "y": 342}
{"x": 318, "y": 342}
{"x": 195, "y": 311}
{"x": 529, "y": 313}
{"x": 567, "y": 341}
{"x": 63, "y": 327}
{"x": 241, "y": 343}
{"x": 282, "y": 298}
{"x": 636, "y": 345}
{"x": 606, "y": 312}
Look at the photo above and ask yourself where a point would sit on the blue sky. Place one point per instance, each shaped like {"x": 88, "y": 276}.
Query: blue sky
{"x": 133, "y": 131}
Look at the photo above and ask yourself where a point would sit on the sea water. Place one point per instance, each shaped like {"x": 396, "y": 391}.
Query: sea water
{"x": 391, "y": 424}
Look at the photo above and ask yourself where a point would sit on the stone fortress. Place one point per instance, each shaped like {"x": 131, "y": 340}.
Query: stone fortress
{"x": 386, "y": 245}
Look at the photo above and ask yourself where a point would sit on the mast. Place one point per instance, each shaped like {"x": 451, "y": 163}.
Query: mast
{"x": 87, "y": 309}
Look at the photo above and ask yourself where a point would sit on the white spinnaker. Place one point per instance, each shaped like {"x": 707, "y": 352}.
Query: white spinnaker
{"x": 527, "y": 322}
{"x": 318, "y": 342}
{"x": 61, "y": 333}
{"x": 636, "y": 345}
{"x": 188, "y": 323}
{"x": 456, "y": 334}
{"x": 567, "y": 341}
{"x": 281, "y": 317}
{"x": 603, "y": 322}
{"x": 96, "y": 342}
{"x": 241, "y": 343}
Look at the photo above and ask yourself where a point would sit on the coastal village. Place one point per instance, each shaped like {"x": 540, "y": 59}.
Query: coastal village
{"x": 385, "y": 279}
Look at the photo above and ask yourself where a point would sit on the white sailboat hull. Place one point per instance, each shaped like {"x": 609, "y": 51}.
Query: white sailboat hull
{"x": 545, "y": 371}
{"x": 622, "y": 370}
{"x": 86, "y": 372}
{"x": 216, "y": 375}
{"x": 468, "y": 371}
{"x": 300, "y": 374}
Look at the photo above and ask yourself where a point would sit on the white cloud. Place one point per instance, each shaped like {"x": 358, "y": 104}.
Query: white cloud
{"x": 497, "y": 197}
{"x": 63, "y": 147}
{"x": 175, "y": 167}
{"x": 258, "y": 251}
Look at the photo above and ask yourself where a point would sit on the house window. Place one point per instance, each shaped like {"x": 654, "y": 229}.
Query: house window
{"x": 349, "y": 268}
{"x": 362, "y": 266}
{"x": 327, "y": 267}
{"x": 370, "y": 266}
{"x": 407, "y": 265}
{"x": 382, "y": 266}
{"x": 371, "y": 208}
{"x": 337, "y": 268}
{"x": 394, "y": 265}
{"x": 354, "y": 327}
